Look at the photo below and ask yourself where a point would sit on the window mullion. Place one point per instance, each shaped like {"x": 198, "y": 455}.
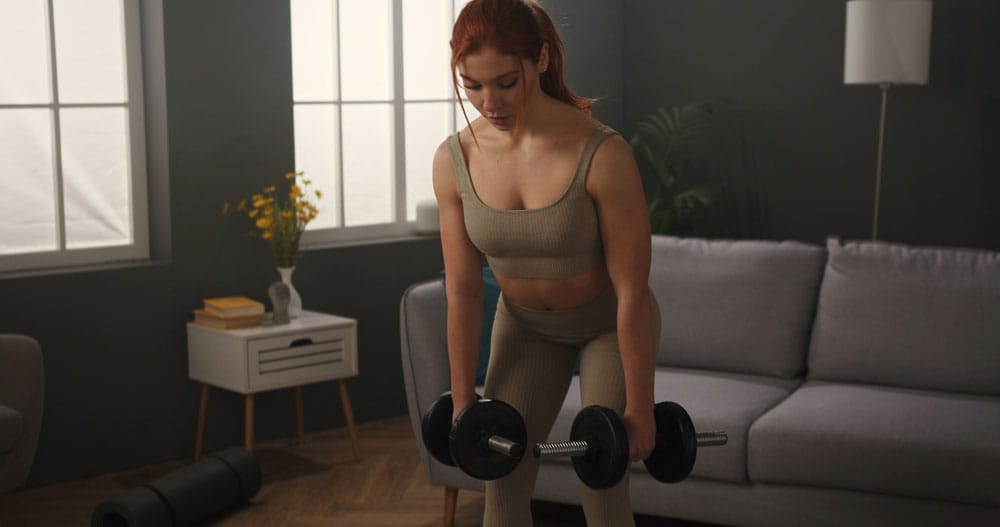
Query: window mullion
{"x": 399, "y": 111}
{"x": 452, "y": 113}
{"x": 342, "y": 220}
{"x": 136, "y": 137}
{"x": 57, "y": 176}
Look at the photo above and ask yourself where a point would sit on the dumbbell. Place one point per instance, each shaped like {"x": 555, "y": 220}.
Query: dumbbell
{"x": 486, "y": 441}
{"x": 598, "y": 445}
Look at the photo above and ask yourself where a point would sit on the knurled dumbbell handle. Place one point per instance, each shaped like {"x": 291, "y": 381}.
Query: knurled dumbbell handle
{"x": 505, "y": 446}
{"x": 579, "y": 448}
{"x": 561, "y": 449}
{"x": 711, "y": 439}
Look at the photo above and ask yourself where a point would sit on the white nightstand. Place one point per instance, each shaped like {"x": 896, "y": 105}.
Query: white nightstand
{"x": 312, "y": 348}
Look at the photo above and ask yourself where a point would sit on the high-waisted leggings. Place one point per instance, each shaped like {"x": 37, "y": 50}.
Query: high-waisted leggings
{"x": 533, "y": 357}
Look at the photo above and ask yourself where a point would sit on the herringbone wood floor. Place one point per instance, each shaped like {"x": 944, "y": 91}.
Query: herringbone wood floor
{"x": 314, "y": 483}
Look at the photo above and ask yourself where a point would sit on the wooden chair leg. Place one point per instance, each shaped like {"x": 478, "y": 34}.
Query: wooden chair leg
{"x": 450, "y": 502}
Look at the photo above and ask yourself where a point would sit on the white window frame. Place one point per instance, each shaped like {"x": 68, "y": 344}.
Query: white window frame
{"x": 400, "y": 226}
{"x": 138, "y": 249}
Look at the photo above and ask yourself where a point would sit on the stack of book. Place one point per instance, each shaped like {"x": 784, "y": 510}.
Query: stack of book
{"x": 230, "y": 312}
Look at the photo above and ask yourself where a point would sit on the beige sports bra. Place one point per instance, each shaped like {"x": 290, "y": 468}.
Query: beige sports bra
{"x": 560, "y": 240}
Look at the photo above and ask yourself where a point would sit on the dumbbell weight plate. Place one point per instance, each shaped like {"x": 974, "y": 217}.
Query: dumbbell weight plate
{"x": 605, "y": 463}
{"x": 676, "y": 446}
{"x": 471, "y": 430}
{"x": 435, "y": 426}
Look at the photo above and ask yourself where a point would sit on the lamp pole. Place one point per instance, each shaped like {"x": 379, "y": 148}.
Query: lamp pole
{"x": 878, "y": 167}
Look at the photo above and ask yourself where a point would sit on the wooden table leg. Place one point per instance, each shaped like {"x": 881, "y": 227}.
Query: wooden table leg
{"x": 199, "y": 438}
{"x": 450, "y": 502}
{"x": 300, "y": 426}
{"x": 349, "y": 415}
{"x": 248, "y": 423}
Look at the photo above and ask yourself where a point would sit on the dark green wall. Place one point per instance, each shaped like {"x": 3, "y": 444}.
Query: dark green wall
{"x": 117, "y": 393}
{"x": 813, "y": 139}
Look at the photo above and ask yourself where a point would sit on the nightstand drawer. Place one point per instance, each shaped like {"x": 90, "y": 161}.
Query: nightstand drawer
{"x": 301, "y": 358}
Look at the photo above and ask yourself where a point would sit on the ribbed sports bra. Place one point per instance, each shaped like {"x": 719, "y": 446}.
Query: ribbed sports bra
{"x": 560, "y": 240}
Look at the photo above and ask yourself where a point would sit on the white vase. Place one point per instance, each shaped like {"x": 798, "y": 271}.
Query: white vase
{"x": 295, "y": 301}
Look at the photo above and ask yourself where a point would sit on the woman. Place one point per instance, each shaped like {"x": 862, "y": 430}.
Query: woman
{"x": 554, "y": 200}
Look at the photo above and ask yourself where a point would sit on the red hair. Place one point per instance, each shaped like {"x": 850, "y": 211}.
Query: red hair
{"x": 513, "y": 27}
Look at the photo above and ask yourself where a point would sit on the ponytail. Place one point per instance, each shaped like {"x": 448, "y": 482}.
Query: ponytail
{"x": 552, "y": 80}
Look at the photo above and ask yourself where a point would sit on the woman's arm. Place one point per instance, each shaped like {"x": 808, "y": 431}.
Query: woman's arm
{"x": 616, "y": 187}
{"x": 463, "y": 283}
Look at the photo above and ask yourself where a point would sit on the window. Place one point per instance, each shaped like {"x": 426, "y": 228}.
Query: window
{"x": 372, "y": 99}
{"x": 72, "y": 146}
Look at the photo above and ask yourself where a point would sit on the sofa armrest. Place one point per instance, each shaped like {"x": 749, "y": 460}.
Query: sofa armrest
{"x": 22, "y": 389}
{"x": 423, "y": 333}
{"x": 423, "y": 321}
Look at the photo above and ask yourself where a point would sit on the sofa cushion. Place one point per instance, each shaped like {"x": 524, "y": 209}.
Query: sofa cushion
{"x": 878, "y": 439}
{"x": 11, "y": 425}
{"x": 739, "y": 306}
{"x": 922, "y": 318}
{"x": 716, "y": 401}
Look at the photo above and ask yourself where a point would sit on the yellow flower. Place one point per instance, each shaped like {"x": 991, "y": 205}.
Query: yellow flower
{"x": 281, "y": 220}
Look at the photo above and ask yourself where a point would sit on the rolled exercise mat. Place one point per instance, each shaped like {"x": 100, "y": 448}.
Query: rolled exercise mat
{"x": 186, "y": 496}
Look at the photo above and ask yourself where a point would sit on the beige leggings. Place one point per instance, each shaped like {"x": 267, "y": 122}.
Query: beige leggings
{"x": 532, "y": 360}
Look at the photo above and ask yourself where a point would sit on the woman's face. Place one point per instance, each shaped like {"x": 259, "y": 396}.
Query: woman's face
{"x": 493, "y": 84}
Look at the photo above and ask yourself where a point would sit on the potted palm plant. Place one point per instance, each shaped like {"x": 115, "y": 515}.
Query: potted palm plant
{"x": 695, "y": 170}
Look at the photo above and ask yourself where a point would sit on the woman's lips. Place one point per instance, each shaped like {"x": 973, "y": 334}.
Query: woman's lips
{"x": 497, "y": 120}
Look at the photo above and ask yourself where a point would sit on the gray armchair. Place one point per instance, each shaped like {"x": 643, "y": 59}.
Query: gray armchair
{"x": 22, "y": 389}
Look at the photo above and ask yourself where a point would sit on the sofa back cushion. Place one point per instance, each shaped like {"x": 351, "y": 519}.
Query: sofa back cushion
{"x": 737, "y": 306}
{"x": 923, "y": 318}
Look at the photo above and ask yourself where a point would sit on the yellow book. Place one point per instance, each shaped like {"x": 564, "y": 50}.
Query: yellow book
{"x": 205, "y": 318}
{"x": 233, "y": 306}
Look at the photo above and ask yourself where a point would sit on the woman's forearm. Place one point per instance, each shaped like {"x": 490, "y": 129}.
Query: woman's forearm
{"x": 638, "y": 351}
{"x": 465, "y": 321}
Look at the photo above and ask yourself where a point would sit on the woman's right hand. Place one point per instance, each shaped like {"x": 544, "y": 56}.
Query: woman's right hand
{"x": 459, "y": 404}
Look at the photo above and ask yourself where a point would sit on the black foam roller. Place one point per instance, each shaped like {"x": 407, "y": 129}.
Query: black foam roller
{"x": 246, "y": 468}
{"x": 138, "y": 507}
{"x": 188, "y": 495}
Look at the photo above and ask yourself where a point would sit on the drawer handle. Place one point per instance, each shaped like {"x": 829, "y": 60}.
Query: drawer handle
{"x": 301, "y": 342}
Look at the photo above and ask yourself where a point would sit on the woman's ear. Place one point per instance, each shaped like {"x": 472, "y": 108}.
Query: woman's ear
{"x": 543, "y": 58}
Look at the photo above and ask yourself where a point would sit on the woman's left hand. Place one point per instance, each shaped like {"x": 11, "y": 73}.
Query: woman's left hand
{"x": 641, "y": 430}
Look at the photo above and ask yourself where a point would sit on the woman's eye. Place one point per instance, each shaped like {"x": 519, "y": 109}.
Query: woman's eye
{"x": 508, "y": 85}
{"x": 472, "y": 87}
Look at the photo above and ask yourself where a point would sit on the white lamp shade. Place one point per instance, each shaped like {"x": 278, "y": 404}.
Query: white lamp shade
{"x": 887, "y": 41}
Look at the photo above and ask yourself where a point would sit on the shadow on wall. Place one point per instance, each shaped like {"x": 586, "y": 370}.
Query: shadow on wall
{"x": 698, "y": 172}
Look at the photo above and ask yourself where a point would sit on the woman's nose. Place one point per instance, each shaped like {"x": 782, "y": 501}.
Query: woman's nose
{"x": 491, "y": 100}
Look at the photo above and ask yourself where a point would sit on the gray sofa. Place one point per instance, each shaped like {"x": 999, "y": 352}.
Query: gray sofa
{"x": 859, "y": 383}
{"x": 21, "y": 399}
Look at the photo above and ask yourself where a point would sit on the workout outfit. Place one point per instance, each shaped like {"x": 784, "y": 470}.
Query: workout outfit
{"x": 534, "y": 352}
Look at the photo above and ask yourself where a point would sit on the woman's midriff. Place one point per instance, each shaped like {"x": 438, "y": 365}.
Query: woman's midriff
{"x": 555, "y": 294}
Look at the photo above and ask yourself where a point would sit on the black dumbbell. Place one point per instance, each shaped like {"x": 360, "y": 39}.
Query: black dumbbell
{"x": 486, "y": 441}
{"x": 599, "y": 445}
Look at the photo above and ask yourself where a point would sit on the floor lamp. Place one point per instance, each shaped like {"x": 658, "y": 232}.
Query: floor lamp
{"x": 886, "y": 42}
